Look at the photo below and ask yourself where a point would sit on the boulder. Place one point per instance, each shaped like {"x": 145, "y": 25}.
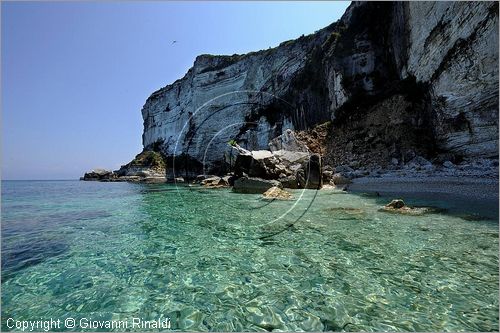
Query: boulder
{"x": 419, "y": 160}
{"x": 289, "y": 142}
{"x": 313, "y": 173}
{"x": 289, "y": 182}
{"x": 269, "y": 165}
{"x": 257, "y": 164}
{"x": 277, "y": 193}
{"x": 240, "y": 150}
{"x": 412, "y": 166}
{"x": 354, "y": 164}
{"x": 152, "y": 180}
{"x": 398, "y": 206}
{"x": 229, "y": 179}
{"x": 340, "y": 179}
{"x": 300, "y": 176}
{"x": 358, "y": 174}
{"x": 98, "y": 175}
{"x": 214, "y": 182}
{"x": 428, "y": 168}
{"x": 199, "y": 178}
{"x": 179, "y": 180}
{"x": 288, "y": 157}
{"x": 254, "y": 185}
{"x": 448, "y": 165}
{"x": 396, "y": 203}
{"x": 343, "y": 168}
{"x": 327, "y": 176}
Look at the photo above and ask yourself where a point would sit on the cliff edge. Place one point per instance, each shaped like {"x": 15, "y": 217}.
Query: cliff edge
{"x": 394, "y": 80}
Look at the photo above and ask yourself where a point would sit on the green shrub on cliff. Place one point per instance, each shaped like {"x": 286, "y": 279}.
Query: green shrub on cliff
{"x": 150, "y": 159}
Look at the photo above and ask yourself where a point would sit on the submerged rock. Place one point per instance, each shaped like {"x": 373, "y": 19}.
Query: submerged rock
{"x": 347, "y": 213}
{"x": 398, "y": 206}
{"x": 254, "y": 185}
{"x": 277, "y": 193}
{"x": 407, "y": 210}
{"x": 396, "y": 203}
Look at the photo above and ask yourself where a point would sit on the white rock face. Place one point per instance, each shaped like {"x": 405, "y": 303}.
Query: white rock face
{"x": 287, "y": 141}
{"x": 454, "y": 47}
{"x": 223, "y": 98}
{"x": 449, "y": 47}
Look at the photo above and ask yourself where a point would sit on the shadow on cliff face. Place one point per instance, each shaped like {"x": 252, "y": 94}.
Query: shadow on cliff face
{"x": 202, "y": 146}
{"x": 373, "y": 129}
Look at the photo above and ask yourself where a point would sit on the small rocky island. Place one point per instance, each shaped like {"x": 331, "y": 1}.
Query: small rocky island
{"x": 386, "y": 91}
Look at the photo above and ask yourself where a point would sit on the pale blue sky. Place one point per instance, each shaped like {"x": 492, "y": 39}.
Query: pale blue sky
{"x": 75, "y": 75}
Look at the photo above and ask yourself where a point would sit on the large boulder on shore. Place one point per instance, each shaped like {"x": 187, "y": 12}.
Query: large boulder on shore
{"x": 215, "y": 182}
{"x": 294, "y": 169}
{"x": 254, "y": 185}
{"x": 259, "y": 163}
{"x": 289, "y": 142}
{"x": 313, "y": 174}
{"x": 340, "y": 179}
{"x": 289, "y": 182}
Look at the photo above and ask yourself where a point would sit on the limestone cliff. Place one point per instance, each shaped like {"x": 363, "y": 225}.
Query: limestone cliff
{"x": 395, "y": 78}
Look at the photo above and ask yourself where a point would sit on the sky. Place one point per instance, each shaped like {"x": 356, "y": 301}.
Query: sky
{"x": 75, "y": 75}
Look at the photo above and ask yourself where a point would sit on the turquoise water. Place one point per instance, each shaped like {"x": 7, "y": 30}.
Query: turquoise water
{"x": 213, "y": 260}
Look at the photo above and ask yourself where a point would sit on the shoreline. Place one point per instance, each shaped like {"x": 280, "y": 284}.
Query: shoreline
{"x": 466, "y": 187}
{"x": 457, "y": 193}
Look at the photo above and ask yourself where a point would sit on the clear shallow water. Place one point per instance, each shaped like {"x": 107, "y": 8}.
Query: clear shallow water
{"x": 215, "y": 260}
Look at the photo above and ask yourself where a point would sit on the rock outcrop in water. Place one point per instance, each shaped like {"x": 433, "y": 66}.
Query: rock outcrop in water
{"x": 98, "y": 175}
{"x": 389, "y": 84}
{"x": 148, "y": 166}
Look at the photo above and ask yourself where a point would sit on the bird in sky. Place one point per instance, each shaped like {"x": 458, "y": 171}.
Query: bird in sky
{"x": 173, "y": 42}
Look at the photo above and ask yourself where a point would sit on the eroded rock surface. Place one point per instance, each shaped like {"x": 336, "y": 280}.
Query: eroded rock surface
{"x": 254, "y": 185}
{"x": 277, "y": 193}
{"x": 388, "y": 82}
{"x": 145, "y": 164}
{"x": 98, "y": 175}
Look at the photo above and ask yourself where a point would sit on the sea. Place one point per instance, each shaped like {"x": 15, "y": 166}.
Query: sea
{"x": 90, "y": 254}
